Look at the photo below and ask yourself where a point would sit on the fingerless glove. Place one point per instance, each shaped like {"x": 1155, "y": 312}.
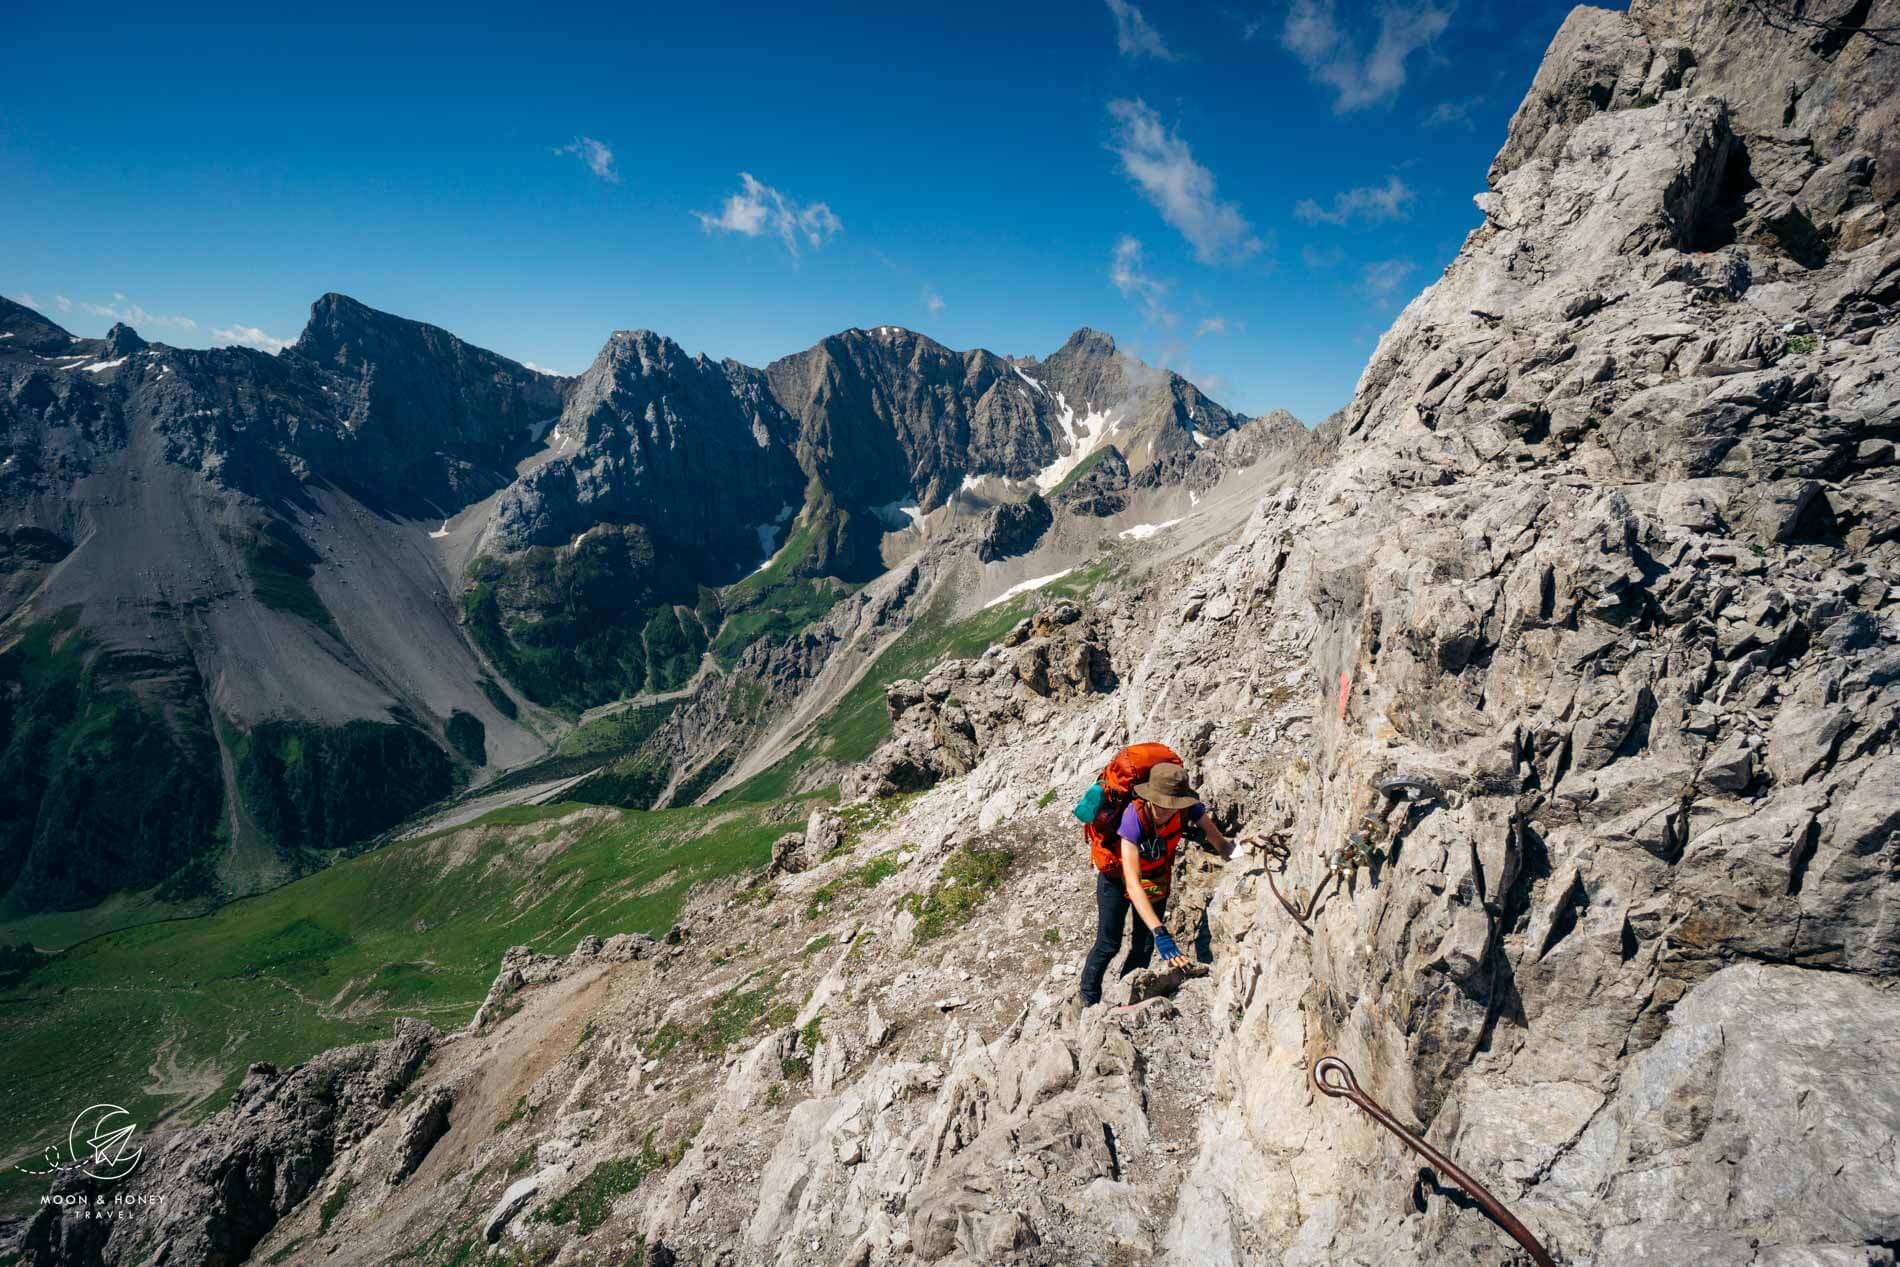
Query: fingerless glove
{"x": 1164, "y": 945}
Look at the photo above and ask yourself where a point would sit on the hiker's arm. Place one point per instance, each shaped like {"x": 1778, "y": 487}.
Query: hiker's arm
{"x": 1212, "y": 831}
{"x": 1131, "y": 880}
{"x": 1144, "y": 909}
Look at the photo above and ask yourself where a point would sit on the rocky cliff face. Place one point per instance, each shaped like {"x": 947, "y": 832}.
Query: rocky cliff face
{"x": 1161, "y": 414}
{"x": 697, "y": 450}
{"x": 430, "y": 418}
{"x": 1608, "y": 550}
{"x": 888, "y": 414}
{"x": 209, "y": 567}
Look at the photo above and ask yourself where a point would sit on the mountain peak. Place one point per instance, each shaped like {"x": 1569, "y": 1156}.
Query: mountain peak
{"x": 122, "y": 339}
{"x": 27, "y": 330}
{"x": 338, "y": 322}
{"x": 333, "y": 301}
{"x": 1087, "y": 339}
{"x": 649, "y": 348}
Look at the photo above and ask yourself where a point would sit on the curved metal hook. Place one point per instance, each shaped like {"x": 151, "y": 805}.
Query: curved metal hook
{"x": 1332, "y": 1076}
{"x": 1312, "y": 904}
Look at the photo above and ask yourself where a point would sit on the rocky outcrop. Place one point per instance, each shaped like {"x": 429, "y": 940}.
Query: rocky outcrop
{"x": 1013, "y": 528}
{"x": 212, "y": 1193}
{"x": 424, "y": 1126}
{"x": 942, "y": 725}
{"x": 1101, "y": 489}
{"x": 1825, "y": 71}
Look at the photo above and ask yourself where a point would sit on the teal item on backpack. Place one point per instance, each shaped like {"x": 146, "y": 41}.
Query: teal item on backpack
{"x": 1091, "y": 803}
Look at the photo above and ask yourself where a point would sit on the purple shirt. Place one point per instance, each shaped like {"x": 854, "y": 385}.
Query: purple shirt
{"x": 1131, "y": 825}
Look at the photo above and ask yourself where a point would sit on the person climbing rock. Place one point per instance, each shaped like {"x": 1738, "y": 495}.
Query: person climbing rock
{"x": 1135, "y": 866}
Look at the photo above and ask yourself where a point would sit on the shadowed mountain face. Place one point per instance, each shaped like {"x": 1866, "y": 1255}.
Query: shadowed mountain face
{"x": 698, "y": 449}
{"x": 248, "y": 561}
{"x": 432, "y": 420}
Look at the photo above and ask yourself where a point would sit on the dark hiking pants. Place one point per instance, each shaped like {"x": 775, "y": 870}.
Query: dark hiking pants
{"x": 1112, "y": 909}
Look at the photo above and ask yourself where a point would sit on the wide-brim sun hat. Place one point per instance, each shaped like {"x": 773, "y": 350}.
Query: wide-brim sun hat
{"x": 1167, "y": 786}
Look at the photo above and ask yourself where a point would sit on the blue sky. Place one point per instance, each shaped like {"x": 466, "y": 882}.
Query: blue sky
{"x": 1247, "y": 194}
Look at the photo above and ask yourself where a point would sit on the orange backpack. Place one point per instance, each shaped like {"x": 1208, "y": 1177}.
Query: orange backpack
{"x": 1101, "y": 807}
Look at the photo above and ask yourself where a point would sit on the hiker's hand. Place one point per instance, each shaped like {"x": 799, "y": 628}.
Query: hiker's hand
{"x": 1171, "y": 956}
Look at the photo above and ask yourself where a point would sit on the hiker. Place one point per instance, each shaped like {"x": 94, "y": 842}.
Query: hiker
{"x": 1135, "y": 864}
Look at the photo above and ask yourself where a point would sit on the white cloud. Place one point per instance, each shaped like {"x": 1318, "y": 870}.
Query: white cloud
{"x": 1127, "y": 269}
{"x": 1134, "y": 37}
{"x": 542, "y": 369}
{"x": 1315, "y": 257}
{"x": 596, "y": 154}
{"x": 1162, "y": 167}
{"x": 1368, "y": 202}
{"x": 1211, "y": 325}
{"x": 136, "y": 317}
{"x": 250, "y": 337}
{"x": 758, "y": 209}
{"x": 1332, "y": 57}
{"x": 1381, "y": 279}
{"x": 1447, "y": 114}
{"x": 933, "y": 301}
{"x": 25, "y": 299}
{"x": 64, "y": 304}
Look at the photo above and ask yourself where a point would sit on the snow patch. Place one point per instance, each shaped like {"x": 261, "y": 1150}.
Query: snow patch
{"x": 1023, "y": 587}
{"x": 1200, "y": 441}
{"x": 1194, "y": 498}
{"x": 1084, "y": 438}
{"x": 7, "y": 335}
{"x": 1141, "y": 532}
{"x": 538, "y": 429}
{"x": 895, "y": 513}
{"x": 100, "y": 367}
{"x": 441, "y": 532}
{"x": 768, "y": 535}
{"x": 1032, "y": 382}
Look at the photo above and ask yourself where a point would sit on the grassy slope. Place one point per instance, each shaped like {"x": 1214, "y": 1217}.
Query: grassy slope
{"x": 416, "y": 928}
{"x": 775, "y": 602}
{"x": 1082, "y": 468}
{"x": 586, "y": 746}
